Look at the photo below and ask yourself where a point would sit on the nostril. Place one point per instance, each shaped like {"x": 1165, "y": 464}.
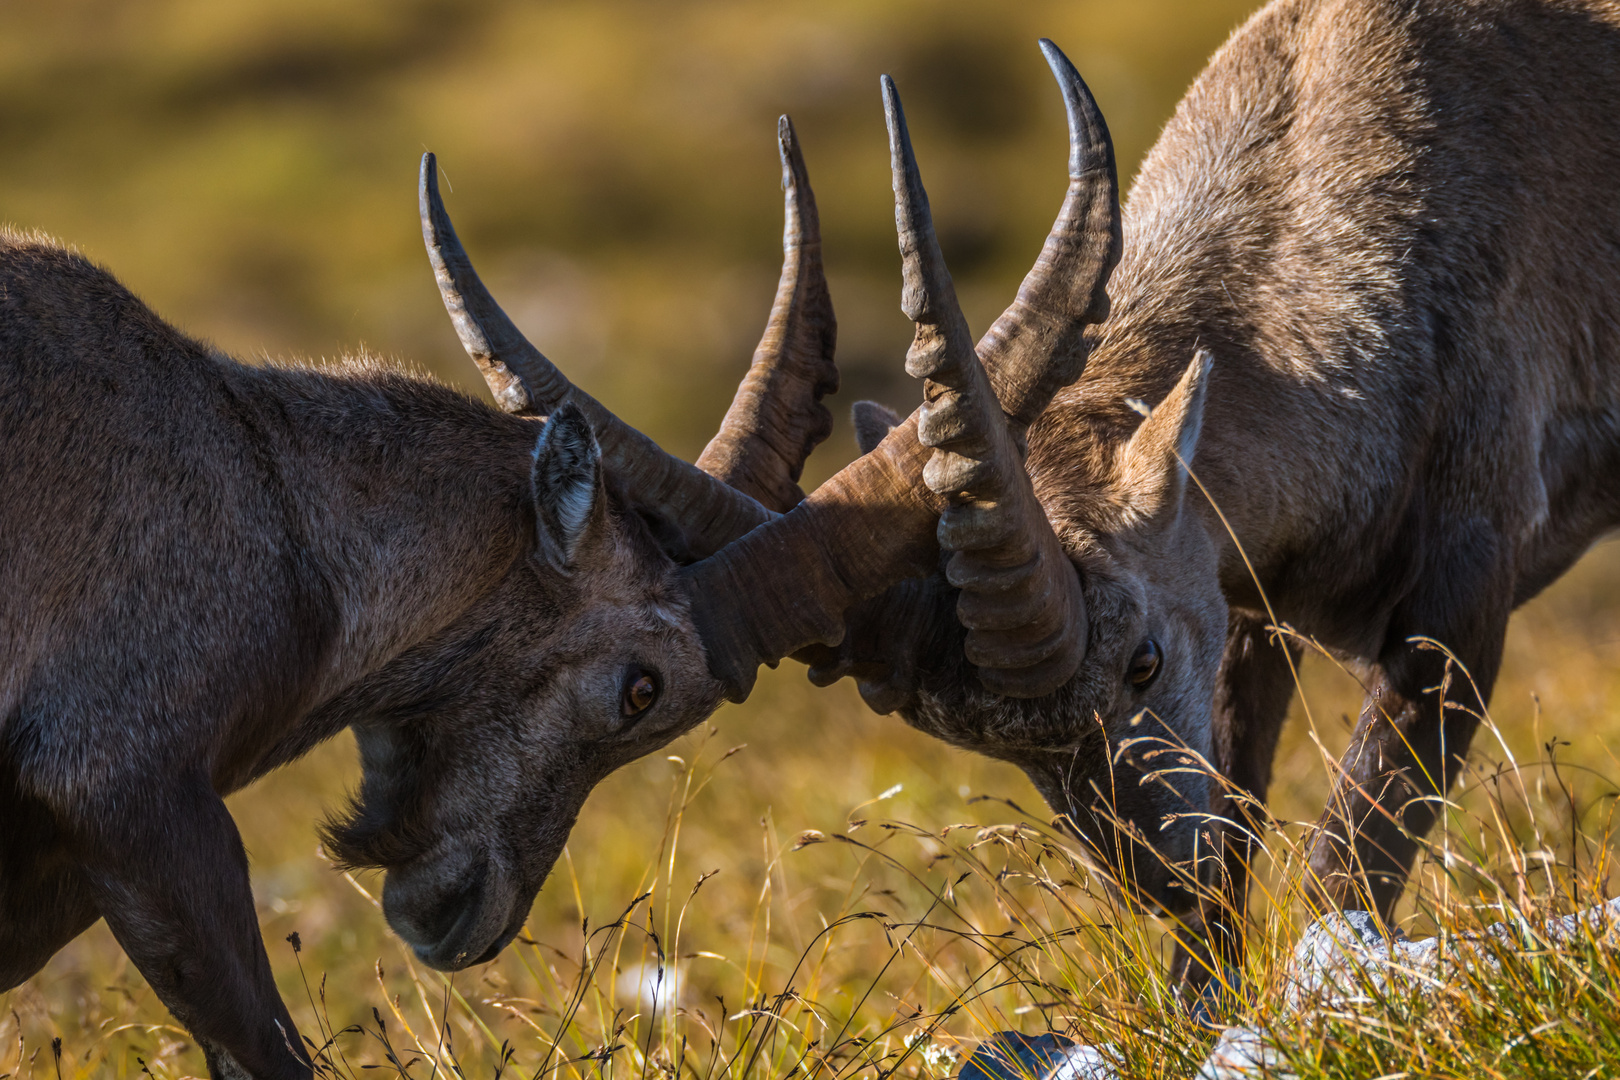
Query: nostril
{"x": 423, "y": 904}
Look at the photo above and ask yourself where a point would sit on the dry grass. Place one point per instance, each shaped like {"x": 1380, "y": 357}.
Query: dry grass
{"x": 249, "y": 169}
{"x": 843, "y": 897}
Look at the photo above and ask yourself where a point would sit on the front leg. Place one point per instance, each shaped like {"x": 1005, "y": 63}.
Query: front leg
{"x": 1412, "y": 738}
{"x": 1252, "y": 695}
{"x": 168, "y": 872}
{"x": 44, "y": 902}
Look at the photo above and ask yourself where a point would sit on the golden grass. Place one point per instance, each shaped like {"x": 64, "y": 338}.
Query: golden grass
{"x": 803, "y": 888}
{"x": 249, "y": 168}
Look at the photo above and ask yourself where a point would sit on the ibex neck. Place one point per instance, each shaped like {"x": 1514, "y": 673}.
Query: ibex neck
{"x": 410, "y": 500}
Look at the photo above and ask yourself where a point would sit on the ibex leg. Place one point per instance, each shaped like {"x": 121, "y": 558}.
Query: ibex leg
{"x": 1407, "y": 750}
{"x": 44, "y": 903}
{"x": 1252, "y": 695}
{"x": 169, "y": 874}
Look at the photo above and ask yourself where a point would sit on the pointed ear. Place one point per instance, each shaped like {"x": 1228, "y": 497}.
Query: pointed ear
{"x": 872, "y": 423}
{"x": 567, "y": 483}
{"x": 1153, "y": 471}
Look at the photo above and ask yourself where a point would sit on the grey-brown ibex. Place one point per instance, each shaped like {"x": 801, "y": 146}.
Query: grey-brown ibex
{"x": 1364, "y": 289}
{"x": 1368, "y": 290}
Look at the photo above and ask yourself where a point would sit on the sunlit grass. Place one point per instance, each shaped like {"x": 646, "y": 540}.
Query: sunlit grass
{"x": 614, "y": 175}
{"x": 842, "y": 897}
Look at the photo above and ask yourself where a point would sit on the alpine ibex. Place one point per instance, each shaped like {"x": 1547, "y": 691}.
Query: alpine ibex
{"x": 1369, "y": 283}
{"x": 208, "y": 568}
{"x": 1389, "y": 225}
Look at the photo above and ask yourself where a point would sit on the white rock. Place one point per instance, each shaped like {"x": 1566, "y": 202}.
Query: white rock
{"x": 1244, "y": 1053}
{"x": 1337, "y": 960}
{"x": 1346, "y": 958}
{"x": 1087, "y": 1063}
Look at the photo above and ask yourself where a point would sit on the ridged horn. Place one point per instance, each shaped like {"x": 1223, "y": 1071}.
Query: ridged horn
{"x": 1037, "y": 346}
{"x": 1021, "y": 600}
{"x": 704, "y": 512}
{"x": 776, "y": 417}
{"x": 788, "y": 584}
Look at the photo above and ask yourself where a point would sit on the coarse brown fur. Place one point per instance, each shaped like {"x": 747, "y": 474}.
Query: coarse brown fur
{"x": 1395, "y": 227}
{"x": 208, "y": 568}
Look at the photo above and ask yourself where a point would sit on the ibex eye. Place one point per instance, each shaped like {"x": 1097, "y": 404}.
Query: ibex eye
{"x": 640, "y": 691}
{"x": 1145, "y": 665}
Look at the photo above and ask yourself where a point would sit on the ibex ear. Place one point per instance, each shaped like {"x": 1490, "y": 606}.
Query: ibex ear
{"x": 567, "y": 481}
{"x": 1153, "y": 472}
{"x": 872, "y": 423}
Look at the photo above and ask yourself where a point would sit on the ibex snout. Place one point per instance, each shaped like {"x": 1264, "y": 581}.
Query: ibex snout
{"x": 454, "y": 910}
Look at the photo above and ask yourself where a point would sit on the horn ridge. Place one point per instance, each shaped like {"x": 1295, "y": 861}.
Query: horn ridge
{"x": 1020, "y": 599}
{"x": 777, "y": 417}
{"x": 704, "y": 513}
{"x": 1037, "y": 346}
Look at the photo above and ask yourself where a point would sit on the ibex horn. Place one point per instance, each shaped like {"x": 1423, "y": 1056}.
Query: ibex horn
{"x": 706, "y": 512}
{"x": 1037, "y": 346}
{"x": 776, "y": 417}
{"x": 1021, "y": 598}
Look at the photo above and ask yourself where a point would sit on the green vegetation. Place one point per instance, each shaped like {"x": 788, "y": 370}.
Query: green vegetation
{"x": 842, "y": 896}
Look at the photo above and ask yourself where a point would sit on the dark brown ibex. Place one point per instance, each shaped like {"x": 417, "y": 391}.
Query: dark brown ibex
{"x": 209, "y": 568}
{"x": 1371, "y": 287}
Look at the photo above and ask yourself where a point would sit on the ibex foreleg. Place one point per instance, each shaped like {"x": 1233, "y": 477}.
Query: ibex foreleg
{"x": 172, "y": 883}
{"x": 1412, "y": 738}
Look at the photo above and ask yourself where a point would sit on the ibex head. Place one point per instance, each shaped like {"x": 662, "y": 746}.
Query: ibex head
{"x": 710, "y": 571}
{"x": 1123, "y": 749}
{"x": 487, "y": 739}
{"x": 1093, "y": 620}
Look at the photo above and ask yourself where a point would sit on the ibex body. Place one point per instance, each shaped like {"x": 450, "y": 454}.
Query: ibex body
{"x": 210, "y": 568}
{"x": 1395, "y": 230}
{"x": 1368, "y": 294}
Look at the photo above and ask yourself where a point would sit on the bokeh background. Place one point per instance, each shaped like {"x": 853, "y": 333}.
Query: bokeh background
{"x": 249, "y": 169}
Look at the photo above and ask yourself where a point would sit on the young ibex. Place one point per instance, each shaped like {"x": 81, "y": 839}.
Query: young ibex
{"x": 1371, "y": 288}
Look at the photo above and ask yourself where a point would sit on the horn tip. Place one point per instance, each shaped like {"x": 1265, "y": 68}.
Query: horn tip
{"x": 787, "y": 148}
{"x": 894, "y": 117}
{"x": 1060, "y": 63}
{"x": 427, "y": 194}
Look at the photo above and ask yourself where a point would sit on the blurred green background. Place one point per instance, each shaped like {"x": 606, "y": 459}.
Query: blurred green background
{"x": 249, "y": 168}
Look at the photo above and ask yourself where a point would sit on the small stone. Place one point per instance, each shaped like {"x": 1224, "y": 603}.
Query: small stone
{"x": 1339, "y": 958}
{"x": 1012, "y": 1055}
{"x": 1088, "y": 1063}
{"x": 1245, "y": 1053}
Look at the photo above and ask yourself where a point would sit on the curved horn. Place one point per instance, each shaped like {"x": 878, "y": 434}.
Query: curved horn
{"x": 776, "y": 417}
{"x": 787, "y": 585}
{"x": 1036, "y": 347}
{"x": 705, "y": 512}
{"x": 877, "y": 522}
{"x": 1021, "y": 599}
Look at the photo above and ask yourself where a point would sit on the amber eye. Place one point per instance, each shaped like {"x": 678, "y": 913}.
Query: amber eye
{"x": 1145, "y": 665}
{"x": 640, "y": 691}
